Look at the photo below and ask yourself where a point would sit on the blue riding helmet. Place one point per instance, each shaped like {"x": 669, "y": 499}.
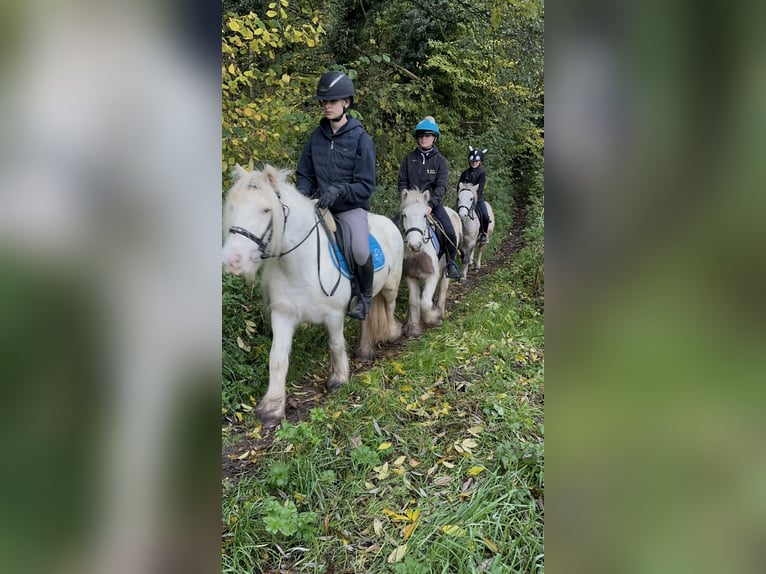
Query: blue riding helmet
{"x": 427, "y": 126}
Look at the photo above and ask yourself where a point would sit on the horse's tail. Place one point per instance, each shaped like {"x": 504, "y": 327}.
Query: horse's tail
{"x": 382, "y": 326}
{"x": 379, "y": 326}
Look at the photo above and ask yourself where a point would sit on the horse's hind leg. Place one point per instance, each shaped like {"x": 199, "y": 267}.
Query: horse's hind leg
{"x": 339, "y": 367}
{"x": 271, "y": 408}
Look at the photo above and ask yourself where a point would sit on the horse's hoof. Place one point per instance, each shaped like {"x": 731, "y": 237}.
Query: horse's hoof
{"x": 333, "y": 385}
{"x": 270, "y": 417}
{"x": 364, "y": 355}
{"x": 270, "y": 421}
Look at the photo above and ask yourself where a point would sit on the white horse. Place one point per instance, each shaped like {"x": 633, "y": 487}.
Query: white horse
{"x": 469, "y": 216}
{"x": 422, "y": 264}
{"x": 269, "y": 225}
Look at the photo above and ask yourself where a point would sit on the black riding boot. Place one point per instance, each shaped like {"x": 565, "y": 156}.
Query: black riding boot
{"x": 452, "y": 271}
{"x": 364, "y": 275}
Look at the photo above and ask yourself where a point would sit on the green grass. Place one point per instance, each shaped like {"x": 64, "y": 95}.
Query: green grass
{"x": 430, "y": 462}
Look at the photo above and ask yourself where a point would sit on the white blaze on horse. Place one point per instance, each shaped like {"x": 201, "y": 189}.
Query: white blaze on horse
{"x": 469, "y": 216}
{"x": 423, "y": 269}
{"x": 270, "y": 226}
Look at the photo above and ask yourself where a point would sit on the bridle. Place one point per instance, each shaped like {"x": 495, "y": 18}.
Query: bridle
{"x": 471, "y": 208}
{"x": 423, "y": 231}
{"x": 264, "y": 240}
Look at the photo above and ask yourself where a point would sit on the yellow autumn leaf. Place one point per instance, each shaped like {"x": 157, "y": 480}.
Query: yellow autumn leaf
{"x": 394, "y": 515}
{"x": 244, "y": 455}
{"x": 409, "y": 530}
{"x": 384, "y": 445}
{"x": 271, "y": 13}
{"x": 285, "y": 78}
{"x": 475, "y": 431}
{"x": 453, "y": 530}
{"x": 397, "y": 554}
{"x": 469, "y": 443}
{"x": 234, "y": 25}
{"x": 476, "y": 470}
{"x": 491, "y": 544}
{"x": 377, "y": 526}
{"x": 397, "y": 368}
{"x": 399, "y": 461}
{"x": 232, "y": 69}
{"x": 382, "y": 471}
{"x": 282, "y": 13}
{"x": 413, "y": 514}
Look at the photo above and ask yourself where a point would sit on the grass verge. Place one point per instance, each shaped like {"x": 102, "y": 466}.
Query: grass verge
{"x": 431, "y": 462}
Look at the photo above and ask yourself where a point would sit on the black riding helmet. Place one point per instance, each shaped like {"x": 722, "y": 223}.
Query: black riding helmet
{"x": 334, "y": 86}
{"x": 476, "y": 154}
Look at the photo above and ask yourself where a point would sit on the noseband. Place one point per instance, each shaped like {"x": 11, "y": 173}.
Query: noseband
{"x": 423, "y": 232}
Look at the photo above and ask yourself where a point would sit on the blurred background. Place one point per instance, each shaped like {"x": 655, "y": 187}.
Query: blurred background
{"x": 110, "y": 290}
{"x": 654, "y": 265}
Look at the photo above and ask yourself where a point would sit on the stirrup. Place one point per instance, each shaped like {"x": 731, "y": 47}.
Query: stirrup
{"x": 360, "y": 310}
{"x": 452, "y": 270}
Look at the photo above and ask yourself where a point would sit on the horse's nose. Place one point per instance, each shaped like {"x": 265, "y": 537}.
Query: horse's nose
{"x": 232, "y": 261}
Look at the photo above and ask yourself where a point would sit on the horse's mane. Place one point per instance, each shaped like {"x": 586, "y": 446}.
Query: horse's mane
{"x": 410, "y": 196}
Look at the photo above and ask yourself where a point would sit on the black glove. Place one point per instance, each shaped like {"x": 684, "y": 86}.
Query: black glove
{"x": 328, "y": 197}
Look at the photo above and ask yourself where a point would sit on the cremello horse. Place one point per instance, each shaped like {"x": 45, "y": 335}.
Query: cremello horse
{"x": 269, "y": 225}
{"x": 469, "y": 216}
{"x": 422, "y": 264}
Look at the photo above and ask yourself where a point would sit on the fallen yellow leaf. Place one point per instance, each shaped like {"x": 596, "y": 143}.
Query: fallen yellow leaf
{"x": 476, "y": 470}
{"x": 397, "y": 554}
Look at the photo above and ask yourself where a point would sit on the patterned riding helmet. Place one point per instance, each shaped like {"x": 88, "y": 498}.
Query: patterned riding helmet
{"x": 476, "y": 154}
{"x": 334, "y": 86}
{"x": 427, "y": 126}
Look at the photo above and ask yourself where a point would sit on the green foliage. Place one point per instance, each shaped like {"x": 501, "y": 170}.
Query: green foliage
{"x": 364, "y": 458}
{"x": 265, "y": 84}
{"x": 284, "y": 518}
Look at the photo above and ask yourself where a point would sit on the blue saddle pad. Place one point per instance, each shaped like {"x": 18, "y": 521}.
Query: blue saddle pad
{"x": 378, "y": 257}
{"x": 432, "y": 231}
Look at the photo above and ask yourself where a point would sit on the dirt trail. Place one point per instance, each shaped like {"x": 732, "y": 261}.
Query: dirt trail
{"x": 309, "y": 394}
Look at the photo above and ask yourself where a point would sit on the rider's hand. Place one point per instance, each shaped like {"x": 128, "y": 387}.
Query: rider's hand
{"x": 328, "y": 197}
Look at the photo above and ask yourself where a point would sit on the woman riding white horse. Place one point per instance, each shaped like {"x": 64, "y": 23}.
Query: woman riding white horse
{"x": 270, "y": 226}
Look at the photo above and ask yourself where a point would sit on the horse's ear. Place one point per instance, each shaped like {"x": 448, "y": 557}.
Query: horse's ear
{"x": 272, "y": 174}
{"x": 470, "y": 148}
{"x": 240, "y": 172}
{"x": 427, "y": 195}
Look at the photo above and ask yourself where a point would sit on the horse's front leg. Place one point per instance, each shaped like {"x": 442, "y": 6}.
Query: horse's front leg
{"x": 271, "y": 408}
{"x": 339, "y": 369}
{"x": 431, "y": 315}
{"x": 413, "y": 327}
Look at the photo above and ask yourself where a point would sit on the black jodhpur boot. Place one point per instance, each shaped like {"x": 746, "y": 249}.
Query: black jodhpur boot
{"x": 364, "y": 276}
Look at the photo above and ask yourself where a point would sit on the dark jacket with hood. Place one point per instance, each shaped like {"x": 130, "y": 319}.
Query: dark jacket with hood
{"x": 345, "y": 159}
{"x": 425, "y": 170}
{"x": 475, "y": 176}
